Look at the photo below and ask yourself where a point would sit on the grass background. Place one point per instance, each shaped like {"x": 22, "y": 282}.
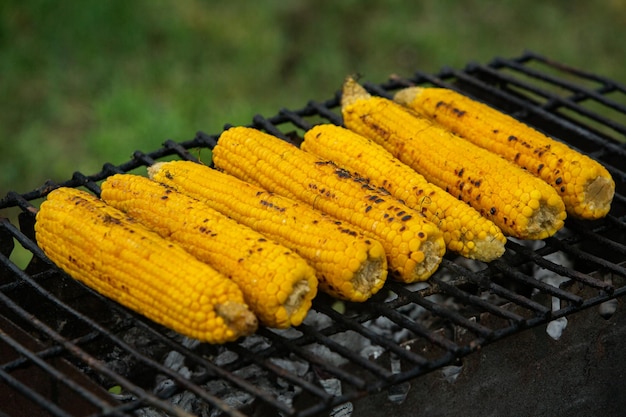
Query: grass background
{"x": 87, "y": 82}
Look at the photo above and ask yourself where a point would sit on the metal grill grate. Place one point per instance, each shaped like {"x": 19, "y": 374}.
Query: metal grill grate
{"x": 67, "y": 351}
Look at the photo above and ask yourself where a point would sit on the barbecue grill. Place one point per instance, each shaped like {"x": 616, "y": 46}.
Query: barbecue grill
{"x": 478, "y": 338}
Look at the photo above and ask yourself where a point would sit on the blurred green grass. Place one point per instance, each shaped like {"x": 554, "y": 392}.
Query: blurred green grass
{"x": 88, "y": 82}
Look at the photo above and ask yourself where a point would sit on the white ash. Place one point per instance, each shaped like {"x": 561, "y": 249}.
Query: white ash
{"x": 384, "y": 326}
{"x": 126, "y": 363}
{"x": 166, "y": 387}
{"x": 372, "y": 352}
{"x": 397, "y": 393}
{"x": 451, "y": 372}
{"x": 225, "y": 357}
{"x": 555, "y": 328}
{"x": 333, "y": 387}
{"x": 294, "y": 365}
{"x": 348, "y": 338}
{"x": 608, "y": 308}
{"x": 280, "y": 389}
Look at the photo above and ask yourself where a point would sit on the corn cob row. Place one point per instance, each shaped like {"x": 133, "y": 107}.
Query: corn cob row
{"x": 521, "y": 204}
{"x": 278, "y": 285}
{"x": 349, "y": 265}
{"x": 464, "y": 230}
{"x": 585, "y": 186}
{"x": 121, "y": 259}
{"x": 414, "y": 246}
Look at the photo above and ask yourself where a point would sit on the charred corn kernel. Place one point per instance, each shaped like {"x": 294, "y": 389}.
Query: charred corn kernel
{"x": 121, "y": 259}
{"x": 247, "y": 257}
{"x": 465, "y": 231}
{"x": 283, "y": 168}
{"x": 487, "y": 182}
{"x": 348, "y": 264}
{"x": 585, "y": 186}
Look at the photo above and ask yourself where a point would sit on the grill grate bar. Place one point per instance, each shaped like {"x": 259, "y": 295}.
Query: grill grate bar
{"x": 48, "y": 352}
{"x": 347, "y": 353}
{"x": 546, "y": 110}
{"x": 564, "y": 271}
{"x": 180, "y": 150}
{"x": 589, "y": 236}
{"x": 323, "y": 111}
{"x": 600, "y": 263}
{"x": 476, "y": 301}
{"x": 50, "y": 370}
{"x": 314, "y": 359}
{"x": 296, "y": 119}
{"x": 212, "y": 370}
{"x": 485, "y": 283}
{"x": 415, "y": 327}
{"x": 441, "y": 311}
{"x": 606, "y": 85}
{"x": 554, "y": 102}
{"x": 81, "y": 355}
{"x": 143, "y": 158}
{"x": 270, "y": 124}
{"x": 534, "y": 283}
{"x": 282, "y": 373}
{"x": 32, "y": 395}
{"x": 375, "y": 338}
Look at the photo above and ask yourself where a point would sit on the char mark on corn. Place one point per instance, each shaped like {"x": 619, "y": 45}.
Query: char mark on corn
{"x": 277, "y": 283}
{"x": 586, "y": 187}
{"x": 349, "y": 265}
{"x": 521, "y": 204}
{"x": 414, "y": 246}
{"x": 119, "y": 258}
{"x": 465, "y": 231}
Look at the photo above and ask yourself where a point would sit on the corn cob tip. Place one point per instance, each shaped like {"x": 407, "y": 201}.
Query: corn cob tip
{"x": 299, "y": 293}
{"x": 352, "y": 91}
{"x": 407, "y": 95}
{"x": 371, "y": 276}
{"x": 598, "y": 195}
{"x": 489, "y": 250}
{"x": 237, "y": 317}
{"x": 154, "y": 168}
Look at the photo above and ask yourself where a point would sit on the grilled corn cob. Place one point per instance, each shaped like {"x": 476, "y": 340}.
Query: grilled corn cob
{"x": 585, "y": 186}
{"x": 521, "y": 204}
{"x": 121, "y": 259}
{"x": 278, "y": 285}
{"x": 464, "y": 230}
{"x": 349, "y": 265}
{"x": 414, "y": 246}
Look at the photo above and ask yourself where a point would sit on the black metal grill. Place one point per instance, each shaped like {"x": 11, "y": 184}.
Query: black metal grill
{"x": 67, "y": 351}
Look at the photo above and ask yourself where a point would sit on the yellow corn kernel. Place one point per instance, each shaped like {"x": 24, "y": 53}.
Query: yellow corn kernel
{"x": 465, "y": 231}
{"x": 349, "y": 265}
{"x": 283, "y": 168}
{"x": 487, "y": 182}
{"x": 116, "y": 256}
{"x": 586, "y": 187}
{"x": 253, "y": 262}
